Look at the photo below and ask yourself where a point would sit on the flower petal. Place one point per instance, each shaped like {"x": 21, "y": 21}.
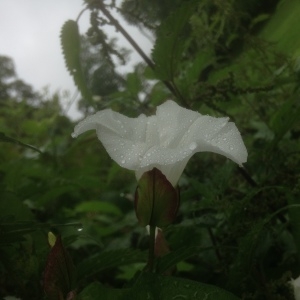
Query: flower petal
{"x": 209, "y": 134}
{"x": 123, "y": 138}
{"x": 171, "y": 171}
{"x": 173, "y": 123}
{"x": 165, "y": 141}
{"x": 296, "y": 287}
{"x": 182, "y": 133}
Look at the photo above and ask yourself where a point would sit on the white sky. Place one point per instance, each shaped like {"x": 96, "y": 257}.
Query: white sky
{"x": 29, "y": 34}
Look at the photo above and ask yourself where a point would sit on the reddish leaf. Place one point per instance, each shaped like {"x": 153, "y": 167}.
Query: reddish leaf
{"x": 59, "y": 276}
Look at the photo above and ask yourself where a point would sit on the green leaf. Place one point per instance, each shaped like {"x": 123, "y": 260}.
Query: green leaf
{"x": 284, "y": 119}
{"x": 165, "y": 288}
{"x": 98, "y": 291}
{"x": 35, "y": 127}
{"x": 158, "y": 94}
{"x": 133, "y": 84}
{"x": 156, "y": 287}
{"x": 14, "y": 232}
{"x": 247, "y": 249}
{"x": 259, "y": 19}
{"x": 283, "y": 27}
{"x": 170, "y": 44}
{"x": 99, "y": 207}
{"x": 156, "y": 200}
{"x": 109, "y": 259}
{"x": 174, "y": 257}
{"x": 193, "y": 70}
{"x": 70, "y": 41}
{"x": 294, "y": 215}
{"x": 54, "y": 193}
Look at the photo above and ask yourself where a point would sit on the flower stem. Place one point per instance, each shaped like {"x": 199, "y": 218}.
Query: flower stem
{"x": 150, "y": 265}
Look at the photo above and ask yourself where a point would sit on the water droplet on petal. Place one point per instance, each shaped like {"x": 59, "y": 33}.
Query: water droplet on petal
{"x": 231, "y": 148}
{"x": 123, "y": 161}
{"x": 193, "y": 146}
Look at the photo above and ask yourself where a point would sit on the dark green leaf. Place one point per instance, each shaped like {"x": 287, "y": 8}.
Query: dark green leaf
{"x": 174, "y": 257}
{"x": 99, "y": 207}
{"x": 156, "y": 287}
{"x": 109, "y": 259}
{"x": 170, "y": 41}
{"x": 70, "y": 41}
{"x": 285, "y": 118}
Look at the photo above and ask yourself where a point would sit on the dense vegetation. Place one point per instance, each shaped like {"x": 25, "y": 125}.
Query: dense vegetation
{"x": 237, "y": 233}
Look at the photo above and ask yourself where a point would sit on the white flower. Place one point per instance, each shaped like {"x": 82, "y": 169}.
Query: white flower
{"x": 296, "y": 287}
{"x": 166, "y": 140}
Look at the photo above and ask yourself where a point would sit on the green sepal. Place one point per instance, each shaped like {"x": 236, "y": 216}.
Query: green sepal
{"x": 156, "y": 200}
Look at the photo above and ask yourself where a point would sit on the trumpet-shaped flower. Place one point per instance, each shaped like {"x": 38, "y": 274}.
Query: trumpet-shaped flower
{"x": 296, "y": 287}
{"x": 165, "y": 141}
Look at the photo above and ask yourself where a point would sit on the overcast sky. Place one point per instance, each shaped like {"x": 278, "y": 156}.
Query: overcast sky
{"x": 29, "y": 34}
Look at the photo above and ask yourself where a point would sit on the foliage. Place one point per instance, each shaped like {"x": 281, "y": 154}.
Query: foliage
{"x": 237, "y": 233}
{"x": 71, "y": 49}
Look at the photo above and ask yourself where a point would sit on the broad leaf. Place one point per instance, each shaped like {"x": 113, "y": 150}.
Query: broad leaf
{"x": 156, "y": 287}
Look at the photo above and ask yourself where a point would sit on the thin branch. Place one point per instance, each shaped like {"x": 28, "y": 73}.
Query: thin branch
{"x": 248, "y": 177}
